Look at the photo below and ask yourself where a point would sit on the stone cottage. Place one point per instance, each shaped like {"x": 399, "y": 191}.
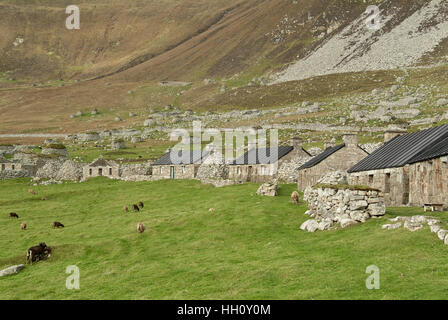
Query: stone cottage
{"x": 408, "y": 168}
{"x": 256, "y": 165}
{"x": 334, "y": 158}
{"x": 178, "y": 164}
{"x": 101, "y": 167}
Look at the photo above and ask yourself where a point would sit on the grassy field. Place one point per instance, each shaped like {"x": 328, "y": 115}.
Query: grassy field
{"x": 250, "y": 247}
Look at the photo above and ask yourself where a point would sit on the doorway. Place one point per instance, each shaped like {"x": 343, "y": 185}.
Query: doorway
{"x": 172, "y": 172}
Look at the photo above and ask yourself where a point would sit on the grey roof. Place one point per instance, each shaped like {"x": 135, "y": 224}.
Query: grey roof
{"x": 262, "y": 155}
{"x": 174, "y": 157}
{"x": 402, "y": 150}
{"x": 321, "y": 156}
{"x": 436, "y": 150}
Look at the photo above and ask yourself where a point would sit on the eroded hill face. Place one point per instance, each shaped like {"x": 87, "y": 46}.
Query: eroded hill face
{"x": 228, "y": 49}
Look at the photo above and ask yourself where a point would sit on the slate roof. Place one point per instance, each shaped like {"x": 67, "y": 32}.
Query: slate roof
{"x": 256, "y": 155}
{"x": 436, "y": 150}
{"x": 321, "y": 156}
{"x": 169, "y": 158}
{"x": 404, "y": 149}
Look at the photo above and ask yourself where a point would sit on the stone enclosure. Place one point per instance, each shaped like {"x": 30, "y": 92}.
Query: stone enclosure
{"x": 332, "y": 204}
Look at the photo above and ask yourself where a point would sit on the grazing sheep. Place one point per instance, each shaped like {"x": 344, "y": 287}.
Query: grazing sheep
{"x": 125, "y": 209}
{"x": 140, "y": 204}
{"x": 141, "y": 227}
{"x": 135, "y": 207}
{"x": 23, "y": 226}
{"x": 295, "y": 197}
{"x": 211, "y": 209}
{"x": 35, "y": 253}
{"x": 44, "y": 198}
{"x": 57, "y": 225}
{"x": 13, "y": 215}
{"x": 32, "y": 191}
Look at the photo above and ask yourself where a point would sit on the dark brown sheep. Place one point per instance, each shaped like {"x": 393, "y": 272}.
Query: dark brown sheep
{"x": 13, "y": 215}
{"x": 135, "y": 207}
{"x": 140, "y": 204}
{"x": 35, "y": 253}
{"x": 57, "y": 225}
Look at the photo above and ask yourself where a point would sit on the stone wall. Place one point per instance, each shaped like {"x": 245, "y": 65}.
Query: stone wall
{"x": 138, "y": 169}
{"x": 342, "y": 159}
{"x": 429, "y": 182}
{"x": 393, "y": 182}
{"x": 253, "y": 173}
{"x": 180, "y": 171}
{"x": 112, "y": 172}
{"x": 330, "y": 204}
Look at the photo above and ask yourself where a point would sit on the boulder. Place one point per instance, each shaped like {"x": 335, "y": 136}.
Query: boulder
{"x": 347, "y": 222}
{"x": 310, "y": 225}
{"x": 442, "y": 234}
{"x": 11, "y": 270}
{"x": 391, "y": 226}
{"x": 268, "y": 189}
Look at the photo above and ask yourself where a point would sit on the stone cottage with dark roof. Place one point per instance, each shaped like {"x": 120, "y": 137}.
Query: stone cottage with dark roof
{"x": 101, "y": 168}
{"x": 264, "y": 164}
{"x": 334, "y": 158}
{"x": 410, "y": 169}
{"x": 178, "y": 164}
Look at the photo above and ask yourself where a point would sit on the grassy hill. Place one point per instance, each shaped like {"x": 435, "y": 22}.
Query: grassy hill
{"x": 250, "y": 247}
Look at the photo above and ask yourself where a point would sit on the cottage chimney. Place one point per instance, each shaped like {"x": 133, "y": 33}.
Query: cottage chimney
{"x": 297, "y": 143}
{"x": 351, "y": 139}
{"x": 391, "y": 133}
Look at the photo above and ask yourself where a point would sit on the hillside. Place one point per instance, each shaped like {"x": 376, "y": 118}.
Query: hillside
{"x": 228, "y": 50}
{"x": 189, "y": 252}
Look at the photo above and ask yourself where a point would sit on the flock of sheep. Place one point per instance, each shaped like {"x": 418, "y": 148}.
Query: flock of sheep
{"x": 42, "y": 251}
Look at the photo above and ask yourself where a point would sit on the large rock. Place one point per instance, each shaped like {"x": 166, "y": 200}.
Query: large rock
{"x": 347, "y": 222}
{"x": 310, "y": 225}
{"x": 11, "y": 270}
{"x": 268, "y": 189}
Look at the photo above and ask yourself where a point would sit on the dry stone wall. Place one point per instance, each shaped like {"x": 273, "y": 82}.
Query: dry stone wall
{"x": 335, "y": 204}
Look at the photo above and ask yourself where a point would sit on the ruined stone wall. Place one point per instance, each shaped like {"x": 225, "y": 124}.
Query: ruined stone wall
{"x": 109, "y": 172}
{"x": 393, "y": 182}
{"x": 342, "y": 159}
{"x": 252, "y": 173}
{"x": 335, "y": 204}
{"x": 180, "y": 171}
{"x": 428, "y": 182}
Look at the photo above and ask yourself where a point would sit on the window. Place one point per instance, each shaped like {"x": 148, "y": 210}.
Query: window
{"x": 90, "y": 171}
{"x": 238, "y": 170}
{"x": 387, "y": 183}
{"x": 370, "y": 178}
{"x": 3, "y": 166}
{"x": 110, "y": 171}
{"x": 13, "y": 167}
{"x": 184, "y": 169}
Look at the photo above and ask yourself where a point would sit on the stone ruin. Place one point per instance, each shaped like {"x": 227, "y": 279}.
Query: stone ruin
{"x": 269, "y": 189}
{"x": 414, "y": 223}
{"x": 335, "y": 203}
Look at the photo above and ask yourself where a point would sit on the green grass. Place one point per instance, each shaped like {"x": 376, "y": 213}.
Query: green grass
{"x": 250, "y": 247}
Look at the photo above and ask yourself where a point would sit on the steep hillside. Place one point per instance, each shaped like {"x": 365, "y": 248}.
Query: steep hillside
{"x": 228, "y": 50}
